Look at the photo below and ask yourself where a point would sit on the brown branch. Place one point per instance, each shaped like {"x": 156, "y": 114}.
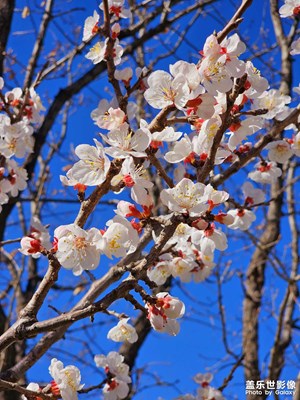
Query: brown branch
{"x": 88, "y": 206}
{"x": 71, "y": 90}
{"x": 160, "y": 169}
{"x": 254, "y": 285}
{"x": 256, "y": 270}
{"x": 28, "y": 314}
{"x": 257, "y": 148}
{"x": 6, "y": 14}
{"x": 226, "y": 118}
{"x": 283, "y": 334}
{"x": 282, "y": 40}
{"x": 234, "y": 21}
{"x": 28, "y": 393}
{"x": 38, "y": 45}
{"x": 223, "y": 314}
{"x": 96, "y": 288}
{"x": 231, "y": 373}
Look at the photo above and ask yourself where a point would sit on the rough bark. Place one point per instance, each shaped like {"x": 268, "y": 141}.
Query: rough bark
{"x": 6, "y": 14}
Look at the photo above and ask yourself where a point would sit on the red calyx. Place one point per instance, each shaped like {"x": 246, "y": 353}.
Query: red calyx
{"x": 241, "y": 213}
{"x": 194, "y": 102}
{"x": 235, "y": 127}
{"x": 95, "y": 29}
{"x": 115, "y": 10}
{"x": 35, "y": 246}
{"x": 54, "y": 388}
{"x": 296, "y": 10}
{"x": 129, "y": 182}
{"x": 190, "y": 158}
{"x": 55, "y": 245}
{"x": 137, "y": 226}
{"x": 264, "y": 168}
{"x": 249, "y": 200}
{"x": 80, "y": 187}
{"x": 155, "y": 144}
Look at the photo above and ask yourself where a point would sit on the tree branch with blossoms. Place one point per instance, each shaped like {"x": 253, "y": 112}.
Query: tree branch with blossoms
{"x": 165, "y": 168}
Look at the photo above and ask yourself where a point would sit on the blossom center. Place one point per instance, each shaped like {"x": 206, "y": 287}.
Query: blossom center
{"x": 114, "y": 242}
{"x": 70, "y": 381}
{"x": 80, "y": 243}
{"x": 168, "y": 93}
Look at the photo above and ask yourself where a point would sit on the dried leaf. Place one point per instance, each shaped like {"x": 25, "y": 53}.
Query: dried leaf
{"x": 25, "y": 12}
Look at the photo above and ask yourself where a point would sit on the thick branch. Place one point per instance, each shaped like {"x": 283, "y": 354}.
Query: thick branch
{"x": 38, "y": 45}
{"x": 6, "y": 14}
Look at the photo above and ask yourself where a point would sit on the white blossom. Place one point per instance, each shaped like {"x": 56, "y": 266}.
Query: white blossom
{"x": 265, "y": 172}
{"x": 210, "y": 238}
{"x": 168, "y": 134}
{"x": 93, "y": 166}
{"x": 279, "y": 151}
{"x": 180, "y": 151}
{"x": 164, "y": 91}
{"x": 116, "y": 7}
{"x": 78, "y": 249}
{"x": 15, "y": 139}
{"x": 113, "y": 363}
{"x": 112, "y": 119}
{"x": 97, "y": 52}
{"x": 124, "y": 142}
{"x": 290, "y": 8}
{"x": 209, "y": 393}
{"x": 295, "y": 47}
{"x": 252, "y": 195}
{"x": 296, "y": 145}
{"x": 17, "y": 177}
{"x": 67, "y": 379}
{"x": 124, "y": 75}
{"x": 182, "y": 268}
{"x": 161, "y": 271}
{"x": 242, "y": 219}
{"x": 134, "y": 177}
{"x": 256, "y": 84}
{"x": 31, "y": 386}
{"x": 90, "y": 27}
{"x": 214, "y": 197}
{"x": 119, "y": 239}
{"x": 273, "y": 101}
{"x": 123, "y": 332}
{"x": 115, "y": 389}
{"x": 164, "y": 313}
{"x": 37, "y": 240}
{"x": 186, "y": 196}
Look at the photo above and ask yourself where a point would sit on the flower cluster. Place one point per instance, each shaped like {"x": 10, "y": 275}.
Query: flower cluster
{"x": 117, "y": 372}
{"x": 163, "y": 312}
{"x": 205, "y": 391}
{"x": 291, "y": 8}
{"x": 66, "y": 382}
{"x": 37, "y": 240}
{"x": 19, "y": 111}
{"x": 225, "y": 104}
{"x": 199, "y": 92}
{"x": 123, "y": 332}
{"x": 99, "y": 51}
